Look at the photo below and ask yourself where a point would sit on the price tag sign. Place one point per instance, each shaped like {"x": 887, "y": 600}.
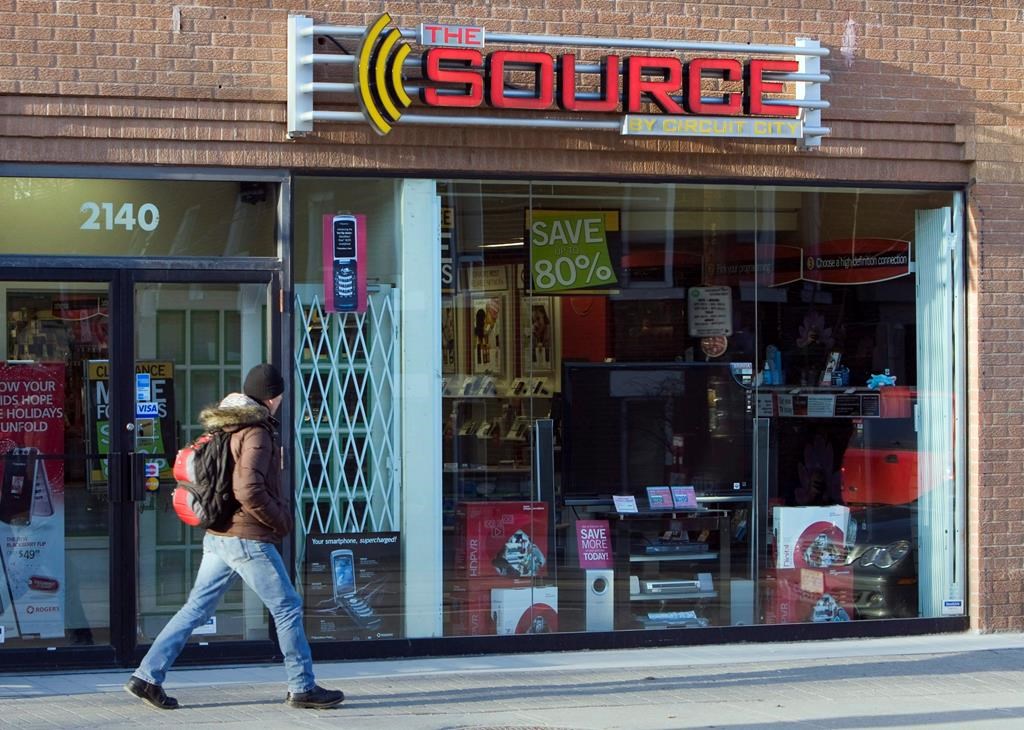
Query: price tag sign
{"x": 569, "y": 250}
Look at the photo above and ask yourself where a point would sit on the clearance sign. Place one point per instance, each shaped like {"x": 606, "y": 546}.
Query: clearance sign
{"x": 461, "y": 75}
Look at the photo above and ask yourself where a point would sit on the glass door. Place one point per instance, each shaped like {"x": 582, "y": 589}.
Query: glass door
{"x": 102, "y": 377}
{"x": 193, "y": 344}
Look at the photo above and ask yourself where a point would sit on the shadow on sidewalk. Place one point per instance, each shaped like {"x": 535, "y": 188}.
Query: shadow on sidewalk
{"x": 620, "y": 683}
{"x": 910, "y": 719}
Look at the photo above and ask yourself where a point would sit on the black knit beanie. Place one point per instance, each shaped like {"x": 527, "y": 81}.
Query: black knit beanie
{"x": 263, "y": 382}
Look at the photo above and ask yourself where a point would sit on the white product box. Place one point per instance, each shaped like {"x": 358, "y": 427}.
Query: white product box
{"x": 525, "y": 610}
{"x": 811, "y": 537}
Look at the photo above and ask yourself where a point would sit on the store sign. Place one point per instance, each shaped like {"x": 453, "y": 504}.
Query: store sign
{"x": 594, "y": 544}
{"x": 709, "y": 311}
{"x": 699, "y": 89}
{"x": 856, "y": 261}
{"x": 480, "y": 78}
{"x": 569, "y": 250}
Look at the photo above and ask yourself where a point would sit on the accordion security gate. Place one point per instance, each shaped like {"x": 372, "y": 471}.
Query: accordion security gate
{"x": 346, "y": 416}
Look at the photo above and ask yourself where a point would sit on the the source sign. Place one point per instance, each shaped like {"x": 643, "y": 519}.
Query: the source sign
{"x": 659, "y": 125}
{"x": 668, "y": 87}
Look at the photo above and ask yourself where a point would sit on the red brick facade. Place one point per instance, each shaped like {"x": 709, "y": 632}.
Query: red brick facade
{"x": 922, "y": 92}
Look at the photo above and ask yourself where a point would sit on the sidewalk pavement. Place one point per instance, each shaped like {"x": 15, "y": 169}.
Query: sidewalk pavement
{"x": 965, "y": 680}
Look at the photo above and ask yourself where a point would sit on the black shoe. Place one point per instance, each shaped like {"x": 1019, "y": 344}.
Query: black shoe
{"x": 152, "y": 693}
{"x": 317, "y": 698}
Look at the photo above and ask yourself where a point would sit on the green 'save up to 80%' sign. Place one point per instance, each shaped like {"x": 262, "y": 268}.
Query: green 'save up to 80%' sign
{"x": 569, "y": 249}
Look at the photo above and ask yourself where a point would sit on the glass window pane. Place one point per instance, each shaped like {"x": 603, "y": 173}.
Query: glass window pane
{"x": 205, "y": 338}
{"x": 171, "y": 336}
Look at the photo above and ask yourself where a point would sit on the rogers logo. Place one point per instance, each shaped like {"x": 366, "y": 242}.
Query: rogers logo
{"x": 41, "y": 609}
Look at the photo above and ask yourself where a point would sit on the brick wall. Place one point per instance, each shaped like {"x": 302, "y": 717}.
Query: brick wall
{"x": 922, "y": 92}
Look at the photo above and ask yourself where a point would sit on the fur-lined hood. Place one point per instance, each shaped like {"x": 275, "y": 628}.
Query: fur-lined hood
{"x": 235, "y": 412}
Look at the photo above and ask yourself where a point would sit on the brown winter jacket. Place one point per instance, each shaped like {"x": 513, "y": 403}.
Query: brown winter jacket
{"x": 264, "y": 514}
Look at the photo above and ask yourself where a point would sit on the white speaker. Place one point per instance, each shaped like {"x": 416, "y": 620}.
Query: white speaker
{"x": 599, "y": 587}
{"x": 741, "y": 600}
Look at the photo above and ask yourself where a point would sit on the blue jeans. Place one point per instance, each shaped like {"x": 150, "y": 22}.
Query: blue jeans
{"x": 260, "y": 565}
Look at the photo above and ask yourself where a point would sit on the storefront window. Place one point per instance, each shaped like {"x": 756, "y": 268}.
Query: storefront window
{"x": 365, "y": 343}
{"x": 653, "y": 406}
{"x": 750, "y": 396}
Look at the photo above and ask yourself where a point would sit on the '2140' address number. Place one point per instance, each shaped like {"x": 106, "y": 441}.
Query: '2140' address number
{"x": 101, "y": 217}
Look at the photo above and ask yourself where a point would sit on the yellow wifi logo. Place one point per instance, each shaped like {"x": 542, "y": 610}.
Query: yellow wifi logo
{"x": 379, "y": 86}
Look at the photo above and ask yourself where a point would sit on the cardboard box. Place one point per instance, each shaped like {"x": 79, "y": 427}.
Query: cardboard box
{"x": 525, "y": 610}
{"x": 810, "y": 537}
{"x": 501, "y": 540}
{"x": 808, "y": 595}
{"x": 470, "y": 605}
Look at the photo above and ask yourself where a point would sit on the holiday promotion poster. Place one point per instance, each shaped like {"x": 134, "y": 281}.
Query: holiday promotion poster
{"x": 32, "y": 500}
{"x": 153, "y": 435}
{"x": 353, "y": 586}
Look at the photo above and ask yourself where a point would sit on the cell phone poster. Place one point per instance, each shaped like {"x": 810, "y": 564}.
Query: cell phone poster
{"x": 32, "y": 499}
{"x": 353, "y": 585}
{"x": 152, "y": 435}
{"x": 344, "y": 257}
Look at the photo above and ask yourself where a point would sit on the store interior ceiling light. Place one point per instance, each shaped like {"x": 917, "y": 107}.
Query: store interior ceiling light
{"x": 509, "y": 244}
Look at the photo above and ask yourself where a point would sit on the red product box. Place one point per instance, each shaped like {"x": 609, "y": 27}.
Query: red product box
{"x": 501, "y": 540}
{"x": 470, "y": 605}
{"x": 808, "y": 595}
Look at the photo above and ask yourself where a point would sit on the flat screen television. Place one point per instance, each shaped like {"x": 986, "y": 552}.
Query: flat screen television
{"x": 628, "y": 426}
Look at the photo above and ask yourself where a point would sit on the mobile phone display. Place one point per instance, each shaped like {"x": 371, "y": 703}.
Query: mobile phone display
{"x": 343, "y": 569}
{"x": 16, "y": 494}
{"x": 344, "y": 236}
{"x": 344, "y": 271}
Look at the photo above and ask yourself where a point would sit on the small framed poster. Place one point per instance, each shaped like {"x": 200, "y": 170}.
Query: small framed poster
{"x": 451, "y": 350}
{"x": 538, "y": 343}
{"x": 625, "y": 504}
{"x": 487, "y": 330}
{"x": 659, "y": 498}
{"x": 684, "y": 498}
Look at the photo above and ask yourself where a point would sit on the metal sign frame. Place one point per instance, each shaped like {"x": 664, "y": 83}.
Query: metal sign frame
{"x": 383, "y": 90}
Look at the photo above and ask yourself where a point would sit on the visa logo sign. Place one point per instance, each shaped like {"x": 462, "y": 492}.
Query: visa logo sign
{"x": 147, "y": 410}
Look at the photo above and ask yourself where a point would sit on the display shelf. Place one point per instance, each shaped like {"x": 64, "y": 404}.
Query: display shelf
{"x": 672, "y": 557}
{"x": 698, "y": 596}
{"x": 487, "y": 470}
{"x": 781, "y": 401}
{"x": 711, "y": 525}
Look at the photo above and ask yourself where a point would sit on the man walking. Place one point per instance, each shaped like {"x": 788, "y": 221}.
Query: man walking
{"x": 245, "y": 548}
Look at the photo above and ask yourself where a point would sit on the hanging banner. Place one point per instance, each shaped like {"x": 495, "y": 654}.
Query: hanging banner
{"x": 154, "y": 424}
{"x": 32, "y": 499}
{"x": 856, "y": 260}
{"x": 765, "y": 265}
{"x": 344, "y": 256}
{"x": 353, "y": 586}
{"x": 569, "y": 249}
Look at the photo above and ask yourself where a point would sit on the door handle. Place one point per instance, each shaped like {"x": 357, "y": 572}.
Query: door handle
{"x": 137, "y": 476}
